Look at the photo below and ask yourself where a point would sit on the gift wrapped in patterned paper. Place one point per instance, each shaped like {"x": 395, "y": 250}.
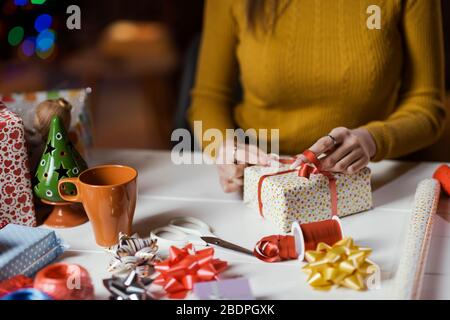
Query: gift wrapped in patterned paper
{"x": 16, "y": 195}
{"x": 80, "y": 133}
{"x": 25, "y": 250}
{"x": 283, "y": 196}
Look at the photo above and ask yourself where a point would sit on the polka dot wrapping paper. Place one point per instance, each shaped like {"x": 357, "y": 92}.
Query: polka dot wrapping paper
{"x": 25, "y": 250}
{"x": 417, "y": 242}
{"x": 287, "y": 197}
{"x": 16, "y": 196}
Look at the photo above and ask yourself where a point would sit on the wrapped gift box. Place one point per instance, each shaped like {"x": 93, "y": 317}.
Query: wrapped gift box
{"x": 16, "y": 196}
{"x": 25, "y": 250}
{"x": 286, "y": 197}
{"x": 80, "y": 133}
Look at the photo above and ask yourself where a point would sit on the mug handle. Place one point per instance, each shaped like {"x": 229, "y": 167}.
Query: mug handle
{"x": 75, "y": 182}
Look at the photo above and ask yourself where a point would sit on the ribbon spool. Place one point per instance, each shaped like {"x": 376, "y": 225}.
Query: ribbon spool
{"x": 65, "y": 282}
{"x": 27, "y": 294}
{"x": 14, "y": 284}
{"x": 308, "y": 236}
{"x": 305, "y": 237}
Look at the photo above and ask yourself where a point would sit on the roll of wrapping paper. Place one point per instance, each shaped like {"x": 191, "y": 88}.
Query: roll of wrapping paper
{"x": 408, "y": 279}
{"x": 304, "y": 237}
{"x": 65, "y": 282}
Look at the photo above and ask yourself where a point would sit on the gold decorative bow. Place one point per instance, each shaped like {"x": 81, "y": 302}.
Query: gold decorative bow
{"x": 343, "y": 264}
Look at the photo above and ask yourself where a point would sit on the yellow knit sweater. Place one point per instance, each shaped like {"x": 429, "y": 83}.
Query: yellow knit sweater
{"x": 322, "y": 68}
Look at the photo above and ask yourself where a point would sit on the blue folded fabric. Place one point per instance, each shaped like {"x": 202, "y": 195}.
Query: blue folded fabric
{"x": 25, "y": 250}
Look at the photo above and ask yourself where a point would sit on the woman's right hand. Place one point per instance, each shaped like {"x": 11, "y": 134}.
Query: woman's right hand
{"x": 231, "y": 162}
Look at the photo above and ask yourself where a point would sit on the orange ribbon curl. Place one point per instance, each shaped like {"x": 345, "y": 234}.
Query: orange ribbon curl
{"x": 276, "y": 248}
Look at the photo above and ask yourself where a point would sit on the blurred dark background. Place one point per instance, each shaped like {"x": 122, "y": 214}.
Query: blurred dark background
{"x": 135, "y": 86}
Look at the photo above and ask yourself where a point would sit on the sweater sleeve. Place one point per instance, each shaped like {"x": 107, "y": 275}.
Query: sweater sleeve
{"x": 419, "y": 118}
{"x": 217, "y": 71}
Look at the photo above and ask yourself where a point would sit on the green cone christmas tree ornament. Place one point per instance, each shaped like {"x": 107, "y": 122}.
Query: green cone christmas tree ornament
{"x": 59, "y": 160}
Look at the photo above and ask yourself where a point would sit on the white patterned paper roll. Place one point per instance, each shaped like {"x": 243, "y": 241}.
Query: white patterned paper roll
{"x": 415, "y": 250}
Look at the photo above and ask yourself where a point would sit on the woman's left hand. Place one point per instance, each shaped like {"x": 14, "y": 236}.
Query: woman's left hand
{"x": 347, "y": 151}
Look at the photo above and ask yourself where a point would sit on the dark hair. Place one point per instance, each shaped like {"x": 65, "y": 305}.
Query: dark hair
{"x": 263, "y": 14}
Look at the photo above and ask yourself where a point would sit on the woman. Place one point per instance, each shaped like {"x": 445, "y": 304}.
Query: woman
{"x": 320, "y": 74}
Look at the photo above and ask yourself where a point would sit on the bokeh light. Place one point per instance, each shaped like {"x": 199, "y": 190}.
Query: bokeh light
{"x": 15, "y": 36}
{"x": 21, "y": 2}
{"x": 46, "y": 54}
{"x": 28, "y": 46}
{"x": 43, "y": 44}
{"x": 45, "y": 40}
{"x": 42, "y": 22}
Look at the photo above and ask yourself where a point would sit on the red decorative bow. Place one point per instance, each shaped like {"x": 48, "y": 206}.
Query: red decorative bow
{"x": 304, "y": 171}
{"x": 184, "y": 267}
{"x": 276, "y": 248}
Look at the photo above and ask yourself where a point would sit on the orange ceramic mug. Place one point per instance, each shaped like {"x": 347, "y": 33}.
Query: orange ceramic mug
{"x": 108, "y": 194}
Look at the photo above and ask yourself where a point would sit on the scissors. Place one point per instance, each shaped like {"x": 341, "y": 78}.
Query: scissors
{"x": 192, "y": 230}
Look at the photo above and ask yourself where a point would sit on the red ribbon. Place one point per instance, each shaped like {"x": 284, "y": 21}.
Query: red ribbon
{"x": 15, "y": 283}
{"x": 305, "y": 171}
{"x": 276, "y": 248}
{"x": 54, "y": 280}
{"x": 184, "y": 267}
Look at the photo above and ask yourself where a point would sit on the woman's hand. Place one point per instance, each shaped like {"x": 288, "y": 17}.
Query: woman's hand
{"x": 232, "y": 161}
{"x": 347, "y": 151}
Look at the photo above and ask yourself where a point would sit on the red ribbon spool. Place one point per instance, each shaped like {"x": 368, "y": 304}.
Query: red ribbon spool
{"x": 15, "y": 283}
{"x": 305, "y": 237}
{"x": 65, "y": 282}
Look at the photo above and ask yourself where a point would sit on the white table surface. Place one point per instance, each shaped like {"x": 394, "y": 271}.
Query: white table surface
{"x": 167, "y": 190}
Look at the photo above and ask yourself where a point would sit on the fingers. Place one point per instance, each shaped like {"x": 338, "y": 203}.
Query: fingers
{"x": 231, "y": 177}
{"x": 231, "y": 174}
{"x": 298, "y": 161}
{"x": 351, "y": 154}
{"x": 327, "y": 143}
{"x": 349, "y": 146}
{"x": 231, "y": 170}
{"x": 230, "y": 186}
{"x": 340, "y": 134}
{"x": 322, "y": 145}
{"x": 251, "y": 154}
{"x": 343, "y": 164}
{"x": 242, "y": 154}
{"x": 358, "y": 165}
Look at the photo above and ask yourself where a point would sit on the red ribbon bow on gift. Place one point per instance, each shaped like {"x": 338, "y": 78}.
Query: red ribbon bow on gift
{"x": 184, "y": 267}
{"x": 305, "y": 170}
